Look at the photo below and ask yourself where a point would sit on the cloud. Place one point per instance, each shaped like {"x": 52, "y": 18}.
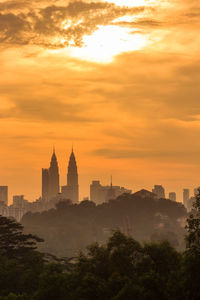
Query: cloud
{"x": 56, "y": 26}
{"x": 12, "y": 27}
{"x": 145, "y": 154}
{"x": 59, "y": 24}
{"x": 142, "y": 23}
{"x": 47, "y": 110}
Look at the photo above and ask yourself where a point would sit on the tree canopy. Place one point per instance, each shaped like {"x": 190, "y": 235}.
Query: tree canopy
{"x": 120, "y": 268}
{"x": 70, "y": 228}
{"x": 13, "y": 242}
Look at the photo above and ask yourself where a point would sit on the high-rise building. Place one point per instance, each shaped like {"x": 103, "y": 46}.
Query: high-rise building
{"x": 110, "y": 192}
{"x": 186, "y": 197}
{"x": 172, "y": 196}
{"x": 45, "y": 184}
{"x": 50, "y": 179}
{"x": 53, "y": 177}
{"x": 100, "y": 194}
{"x": 4, "y": 194}
{"x": 19, "y": 201}
{"x": 159, "y": 191}
{"x": 71, "y": 190}
{"x": 97, "y": 192}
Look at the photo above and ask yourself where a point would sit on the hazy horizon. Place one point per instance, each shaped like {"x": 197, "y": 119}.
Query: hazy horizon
{"x": 119, "y": 79}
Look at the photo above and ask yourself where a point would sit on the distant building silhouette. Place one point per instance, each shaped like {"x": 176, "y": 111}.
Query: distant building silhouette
{"x": 45, "y": 184}
{"x": 110, "y": 192}
{"x": 53, "y": 177}
{"x": 145, "y": 194}
{"x": 71, "y": 190}
{"x": 100, "y": 194}
{"x": 186, "y": 197}
{"x": 159, "y": 191}
{"x": 172, "y": 196}
{"x": 20, "y": 202}
{"x": 50, "y": 179}
{"x": 4, "y": 195}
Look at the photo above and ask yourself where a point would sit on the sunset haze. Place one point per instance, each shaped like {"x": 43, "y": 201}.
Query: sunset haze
{"x": 118, "y": 80}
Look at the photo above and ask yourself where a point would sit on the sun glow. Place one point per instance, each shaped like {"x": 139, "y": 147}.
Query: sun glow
{"x": 70, "y": 23}
{"x": 107, "y": 42}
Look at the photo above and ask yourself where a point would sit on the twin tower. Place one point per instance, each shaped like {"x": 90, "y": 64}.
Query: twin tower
{"x": 51, "y": 181}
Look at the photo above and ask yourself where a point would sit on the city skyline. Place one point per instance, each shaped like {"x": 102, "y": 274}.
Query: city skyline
{"x": 100, "y": 149}
{"x": 102, "y": 179}
{"x": 120, "y": 78}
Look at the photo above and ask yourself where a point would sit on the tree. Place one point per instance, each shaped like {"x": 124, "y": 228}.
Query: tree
{"x": 124, "y": 269}
{"x": 12, "y": 296}
{"x": 52, "y": 283}
{"x": 161, "y": 271}
{"x": 13, "y": 242}
{"x": 20, "y": 262}
{"x": 193, "y": 227}
{"x": 191, "y": 265}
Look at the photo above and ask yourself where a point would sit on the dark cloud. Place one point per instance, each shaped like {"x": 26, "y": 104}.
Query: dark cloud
{"x": 45, "y": 136}
{"x": 41, "y": 22}
{"x": 13, "y": 28}
{"x": 47, "y": 110}
{"x": 177, "y": 155}
{"x": 23, "y": 5}
{"x": 45, "y": 27}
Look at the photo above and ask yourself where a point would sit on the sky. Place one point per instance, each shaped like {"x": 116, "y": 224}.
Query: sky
{"x": 120, "y": 80}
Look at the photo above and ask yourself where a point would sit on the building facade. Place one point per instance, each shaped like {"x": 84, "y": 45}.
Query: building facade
{"x": 172, "y": 196}
{"x": 71, "y": 190}
{"x": 45, "y": 184}
{"x": 186, "y": 197}
{"x": 100, "y": 194}
{"x": 159, "y": 191}
{"x": 4, "y": 194}
{"x": 50, "y": 180}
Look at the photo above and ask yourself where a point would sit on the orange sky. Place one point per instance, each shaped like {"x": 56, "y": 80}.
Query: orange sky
{"x": 119, "y": 79}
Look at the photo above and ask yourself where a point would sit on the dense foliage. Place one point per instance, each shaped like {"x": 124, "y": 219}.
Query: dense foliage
{"x": 120, "y": 269}
{"x": 70, "y": 228}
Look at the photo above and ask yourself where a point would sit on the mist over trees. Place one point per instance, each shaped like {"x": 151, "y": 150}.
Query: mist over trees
{"x": 119, "y": 269}
{"x": 70, "y": 228}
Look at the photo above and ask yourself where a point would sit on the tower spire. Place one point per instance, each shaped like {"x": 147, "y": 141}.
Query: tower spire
{"x": 110, "y": 191}
{"x": 50, "y": 179}
{"x": 72, "y": 178}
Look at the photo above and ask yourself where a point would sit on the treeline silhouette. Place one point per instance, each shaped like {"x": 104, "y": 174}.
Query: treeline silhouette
{"x": 120, "y": 269}
{"x": 69, "y": 228}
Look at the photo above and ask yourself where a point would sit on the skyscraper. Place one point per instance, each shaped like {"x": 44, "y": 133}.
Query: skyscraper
{"x": 72, "y": 178}
{"x": 45, "y": 184}
{"x": 186, "y": 196}
{"x": 71, "y": 190}
{"x": 172, "y": 196}
{"x": 111, "y": 192}
{"x": 53, "y": 176}
{"x": 159, "y": 191}
{"x": 4, "y": 195}
{"x": 50, "y": 179}
{"x": 100, "y": 194}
